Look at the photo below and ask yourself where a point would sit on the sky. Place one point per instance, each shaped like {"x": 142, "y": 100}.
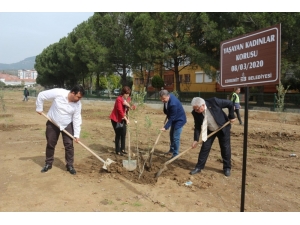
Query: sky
{"x": 26, "y": 34}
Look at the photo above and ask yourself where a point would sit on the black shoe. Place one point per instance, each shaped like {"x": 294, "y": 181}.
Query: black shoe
{"x": 46, "y": 168}
{"x": 196, "y": 170}
{"x": 123, "y": 151}
{"x": 71, "y": 170}
{"x": 227, "y": 172}
{"x": 119, "y": 153}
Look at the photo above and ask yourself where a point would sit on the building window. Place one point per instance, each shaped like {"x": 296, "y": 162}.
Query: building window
{"x": 207, "y": 79}
{"x": 187, "y": 78}
{"x": 202, "y": 78}
{"x": 169, "y": 80}
{"x": 199, "y": 77}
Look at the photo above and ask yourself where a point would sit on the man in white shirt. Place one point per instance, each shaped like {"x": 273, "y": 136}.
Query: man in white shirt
{"x": 65, "y": 112}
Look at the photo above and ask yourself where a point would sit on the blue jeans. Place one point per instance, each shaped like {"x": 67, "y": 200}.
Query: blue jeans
{"x": 175, "y": 140}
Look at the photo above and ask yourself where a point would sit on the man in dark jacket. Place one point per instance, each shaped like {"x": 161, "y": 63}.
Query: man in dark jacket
{"x": 215, "y": 118}
{"x": 176, "y": 119}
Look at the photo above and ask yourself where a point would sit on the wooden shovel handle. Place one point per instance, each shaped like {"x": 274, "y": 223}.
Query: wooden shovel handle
{"x": 200, "y": 142}
{"x": 152, "y": 150}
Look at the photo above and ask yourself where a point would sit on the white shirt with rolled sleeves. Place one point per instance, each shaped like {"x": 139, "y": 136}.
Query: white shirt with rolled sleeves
{"x": 62, "y": 112}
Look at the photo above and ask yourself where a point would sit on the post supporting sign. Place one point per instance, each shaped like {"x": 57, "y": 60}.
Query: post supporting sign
{"x": 252, "y": 59}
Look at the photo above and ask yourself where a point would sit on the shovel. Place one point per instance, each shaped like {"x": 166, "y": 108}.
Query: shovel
{"x": 185, "y": 151}
{"x": 152, "y": 150}
{"x": 129, "y": 164}
{"x": 106, "y": 163}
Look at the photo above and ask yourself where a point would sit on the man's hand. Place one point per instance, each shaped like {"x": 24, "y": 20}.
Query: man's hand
{"x": 76, "y": 140}
{"x": 39, "y": 112}
{"x": 163, "y": 129}
{"x": 232, "y": 120}
{"x": 194, "y": 145}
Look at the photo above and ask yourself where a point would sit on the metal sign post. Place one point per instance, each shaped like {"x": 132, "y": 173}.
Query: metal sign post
{"x": 250, "y": 60}
{"x": 245, "y": 149}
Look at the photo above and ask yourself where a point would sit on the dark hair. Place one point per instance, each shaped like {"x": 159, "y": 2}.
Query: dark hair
{"x": 125, "y": 90}
{"x": 78, "y": 88}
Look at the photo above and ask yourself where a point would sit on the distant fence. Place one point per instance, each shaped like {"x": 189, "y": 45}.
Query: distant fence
{"x": 256, "y": 100}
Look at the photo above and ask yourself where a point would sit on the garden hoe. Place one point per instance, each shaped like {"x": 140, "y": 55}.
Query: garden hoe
{"x": 185, "y": 151}
{"x": 105, "y": 163}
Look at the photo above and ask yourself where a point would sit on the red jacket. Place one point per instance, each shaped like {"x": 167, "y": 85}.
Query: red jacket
{"x": 119, "y": 110}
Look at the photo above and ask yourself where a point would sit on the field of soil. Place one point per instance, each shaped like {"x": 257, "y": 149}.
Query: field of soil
{"x": 272, "y": 181}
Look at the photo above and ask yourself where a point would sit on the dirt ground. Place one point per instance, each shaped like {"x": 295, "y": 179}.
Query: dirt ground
{"x": 272, "y": 181}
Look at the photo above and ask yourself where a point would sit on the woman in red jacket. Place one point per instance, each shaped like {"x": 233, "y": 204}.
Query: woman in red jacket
{"x": 119, "y": 114}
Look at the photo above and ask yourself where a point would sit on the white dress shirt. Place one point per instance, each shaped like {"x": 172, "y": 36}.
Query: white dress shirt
{"x": 62, "y": 112}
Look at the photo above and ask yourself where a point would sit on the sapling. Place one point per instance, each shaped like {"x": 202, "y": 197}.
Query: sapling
{"x": 2, "y": 101}
{"x": 280, "y": 103}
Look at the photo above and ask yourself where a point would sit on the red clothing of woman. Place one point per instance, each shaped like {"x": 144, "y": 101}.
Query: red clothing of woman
{"x": 119, "y": 110}
{"x": 117, "y": 116}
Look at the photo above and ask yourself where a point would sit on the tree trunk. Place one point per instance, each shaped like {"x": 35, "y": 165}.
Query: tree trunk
{"x": 124, "y": 75}
{"x": 177, "y": 75}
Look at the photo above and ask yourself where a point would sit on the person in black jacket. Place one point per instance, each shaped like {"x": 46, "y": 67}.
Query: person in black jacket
{"x": 26, "y": 94}
{"x": 216, "y": 118}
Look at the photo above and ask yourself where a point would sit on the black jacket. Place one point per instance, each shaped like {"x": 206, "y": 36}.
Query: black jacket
{"x": 215, "y": 106}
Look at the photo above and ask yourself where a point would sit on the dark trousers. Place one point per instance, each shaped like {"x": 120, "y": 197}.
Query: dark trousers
{"x": 237, "y": 111}
{"x": 224, "y": 143}
{"x": 52, "y": 135}
{"x": 120, "y": 135}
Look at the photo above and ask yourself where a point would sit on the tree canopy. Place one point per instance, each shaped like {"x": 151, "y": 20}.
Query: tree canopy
{"x": 120, "y": 42}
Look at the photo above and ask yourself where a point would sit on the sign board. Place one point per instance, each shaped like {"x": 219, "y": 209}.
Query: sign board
{"x": 252, "y": 59}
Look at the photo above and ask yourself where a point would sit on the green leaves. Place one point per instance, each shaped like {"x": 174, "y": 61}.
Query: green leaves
{"x": 157, "y": 82}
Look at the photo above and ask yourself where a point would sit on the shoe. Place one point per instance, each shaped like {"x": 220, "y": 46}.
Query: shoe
{"x": 227, "y": 172}
{"x": 119, "y": 153}
{"x": 71, "y": 170}
{"x": 46, "y": 168}
{"x": 123, "y": 151}
{"x": 196, "y": 170}
{"x": 168, "y": 153}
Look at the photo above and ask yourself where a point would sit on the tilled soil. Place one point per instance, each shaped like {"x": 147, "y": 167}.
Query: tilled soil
{"x": 272, "y": 175}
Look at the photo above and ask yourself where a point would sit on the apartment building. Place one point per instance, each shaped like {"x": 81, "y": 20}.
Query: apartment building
{"x": 27, "y": 74}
